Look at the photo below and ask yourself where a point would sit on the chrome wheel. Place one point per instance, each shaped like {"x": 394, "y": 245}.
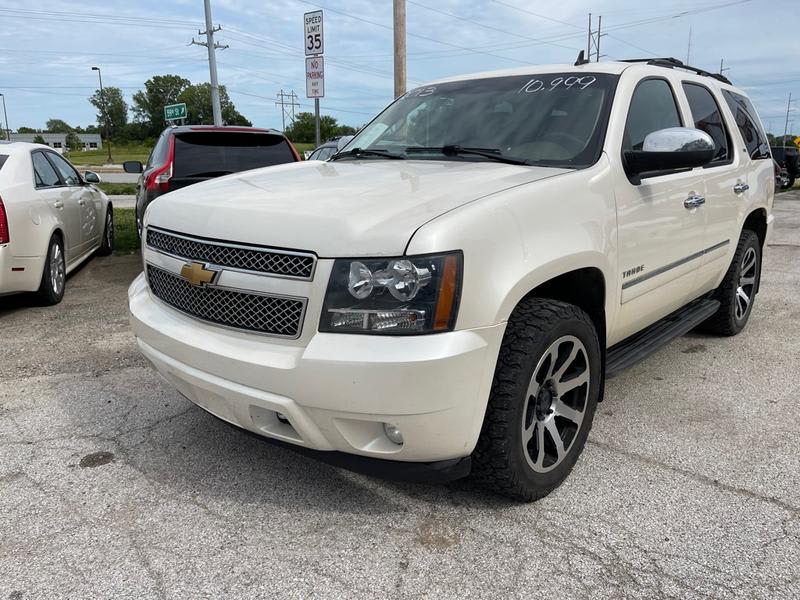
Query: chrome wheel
{"x": 555, "y": 403}
{"x": 57, "y": 269}
{"x": 109, "y": 229}
{"x": 747, "y": 283}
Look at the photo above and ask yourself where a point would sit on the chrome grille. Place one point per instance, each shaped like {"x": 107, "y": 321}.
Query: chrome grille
{"x": 247, "y": 258}
{"x": 273, "y": 315}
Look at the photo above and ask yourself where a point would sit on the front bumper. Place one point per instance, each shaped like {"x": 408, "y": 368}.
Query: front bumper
{"x": 335, "y": 390}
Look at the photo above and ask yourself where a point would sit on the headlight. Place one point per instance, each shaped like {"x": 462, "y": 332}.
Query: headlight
{"x": 391, "y": 296}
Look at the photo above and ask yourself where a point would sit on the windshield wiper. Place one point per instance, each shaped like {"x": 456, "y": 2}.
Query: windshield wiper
{"x": 456, "y": 150}
{"x": 358, "y": 152}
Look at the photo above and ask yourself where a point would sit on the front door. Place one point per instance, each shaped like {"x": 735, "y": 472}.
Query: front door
{"x": 84, "y": 196}
{"x": 661, "y": 221}
{"x": 58, "y": 197}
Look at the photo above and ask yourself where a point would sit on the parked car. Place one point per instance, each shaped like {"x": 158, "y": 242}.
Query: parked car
{"x": 328, "y": 149}
{"x": 787, "y": 157}
{"x": 448, "y": 294}
{"x": 190, "y": 154}
{"x": 51, "y": 220}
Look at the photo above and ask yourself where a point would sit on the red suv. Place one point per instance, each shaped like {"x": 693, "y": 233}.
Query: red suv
{"x": 190, "y": 154}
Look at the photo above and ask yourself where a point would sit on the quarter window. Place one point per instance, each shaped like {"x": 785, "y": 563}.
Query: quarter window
{"x": 749, "y": 126}
{"x": 44, "y": 172}
{"x": 707, "y": 118}
{"x": 652, "y": 108}
{"x": 68, "y": 174}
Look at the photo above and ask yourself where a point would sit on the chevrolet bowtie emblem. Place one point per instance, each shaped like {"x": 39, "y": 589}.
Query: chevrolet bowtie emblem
{"x": 197, "y": 274}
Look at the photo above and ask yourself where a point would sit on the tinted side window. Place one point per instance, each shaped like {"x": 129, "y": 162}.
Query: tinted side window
{"x": 44, "y": 172}
{"x": 68, "y": 174}
{"x": 3, "y": 158}
{"x": 652, "y": 108}
{"x": 747, "y": 121}
{"x": 158, "y": 156}
{"x": 708, "y": 118}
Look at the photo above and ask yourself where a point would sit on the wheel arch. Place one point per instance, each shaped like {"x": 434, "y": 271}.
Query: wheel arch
{"x": 756, "y": 222}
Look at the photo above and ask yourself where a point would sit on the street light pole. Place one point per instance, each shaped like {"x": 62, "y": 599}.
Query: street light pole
{"x": 5, "y": 119}
{"x": 105, "y": 112}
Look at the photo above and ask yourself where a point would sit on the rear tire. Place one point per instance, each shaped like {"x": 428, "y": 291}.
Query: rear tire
{"x": 107, "y": 245}
{"x": 737, "y": 292}
{"x": 51, "y": 288}
{"x": 546, "y": 384}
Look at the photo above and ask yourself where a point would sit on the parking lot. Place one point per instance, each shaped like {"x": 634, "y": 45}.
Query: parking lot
{"x": 114, "y": 486}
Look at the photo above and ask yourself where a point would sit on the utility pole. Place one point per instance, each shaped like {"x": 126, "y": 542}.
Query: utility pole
{"x": 105, "y": 113}
{"x": 786, "y": 123}
{"x": 599, "y": 35}
{"x": 589, "y": 40}
{"x": 212, "y": 61}
{"x": 5, "y": 118}
{"x": 399, "y": 47}
{"x": 593, "y": 39}
{"x": 287, "y": 102}
{"x": 689, "y": 47}
{"x": 722, "y": 68}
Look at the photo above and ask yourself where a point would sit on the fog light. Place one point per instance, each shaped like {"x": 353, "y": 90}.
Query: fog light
{"x": 393, "y": 433}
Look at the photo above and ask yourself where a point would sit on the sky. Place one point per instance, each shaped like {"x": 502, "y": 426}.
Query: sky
{"x": 47, "y": 49}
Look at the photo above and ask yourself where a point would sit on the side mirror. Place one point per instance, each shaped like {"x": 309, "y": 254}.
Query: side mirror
{"x": 668, "y": 150}
{"x": 132, "y": 166}
{"x": 91, "y": 177}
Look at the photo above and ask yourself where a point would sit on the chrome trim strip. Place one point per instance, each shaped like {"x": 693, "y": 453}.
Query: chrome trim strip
{"x": 254, "y": 248}
{"x": 673, "y": 265}
{"x": 303, "y": 301}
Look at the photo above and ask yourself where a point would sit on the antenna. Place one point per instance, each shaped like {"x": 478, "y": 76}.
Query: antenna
{"x": 581, "y": 59}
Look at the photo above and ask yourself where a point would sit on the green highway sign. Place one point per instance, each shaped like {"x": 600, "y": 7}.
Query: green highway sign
{"x": 175, "y": 111}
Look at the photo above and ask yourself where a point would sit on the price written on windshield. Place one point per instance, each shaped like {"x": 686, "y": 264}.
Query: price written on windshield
{"x": 314, "y": 39}
{"x": 537, "y": 85}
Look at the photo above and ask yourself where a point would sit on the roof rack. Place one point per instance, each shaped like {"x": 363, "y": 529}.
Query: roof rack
{"x": 673, "y": 63}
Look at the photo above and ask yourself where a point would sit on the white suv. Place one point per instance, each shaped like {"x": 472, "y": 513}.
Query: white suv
{"x": 448, "y": 293}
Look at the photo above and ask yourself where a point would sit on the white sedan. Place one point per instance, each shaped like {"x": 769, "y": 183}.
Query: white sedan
{"x": 51, "y": 220}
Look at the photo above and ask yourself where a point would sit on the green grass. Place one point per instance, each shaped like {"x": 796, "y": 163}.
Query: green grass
{"x": 125, "y": 239}
{"x": 117, "y": 189}
{"x": 302, "y": 148}
{"x": 118, "y": 153}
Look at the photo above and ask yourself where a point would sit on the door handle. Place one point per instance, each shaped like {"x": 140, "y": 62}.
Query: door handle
{"x": 740, "y": 188}
{"x": 58, "y": 204}
{"x": 694, "y": 201}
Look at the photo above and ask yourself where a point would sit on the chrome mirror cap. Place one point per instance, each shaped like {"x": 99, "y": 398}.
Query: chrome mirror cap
{"x": 678, "y": 139}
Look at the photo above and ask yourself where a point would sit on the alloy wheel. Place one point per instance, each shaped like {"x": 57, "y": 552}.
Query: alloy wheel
{"x": 555, "y": 403}
{"x": 109, "y": 228}
{"x": 57, "y": 269}
{"x": 747, "y": 283}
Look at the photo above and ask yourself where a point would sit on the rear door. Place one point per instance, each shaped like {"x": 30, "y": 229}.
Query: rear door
{"x": 201, "y": 155}
{"x": 726, "y": 181}
{"x": 85, "y": 197}
{"x": 54, "y": 192}
{"x": 661, "y": 240}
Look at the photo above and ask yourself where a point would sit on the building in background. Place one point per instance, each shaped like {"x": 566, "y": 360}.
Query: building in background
{"x": 58, "y": 141}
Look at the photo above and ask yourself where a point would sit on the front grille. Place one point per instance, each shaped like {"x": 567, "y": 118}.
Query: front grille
{"x": 248, "y": 258}
{"x": 273, "y": 315}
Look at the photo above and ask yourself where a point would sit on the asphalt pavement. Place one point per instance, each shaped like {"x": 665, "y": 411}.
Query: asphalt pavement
{"x": 114, "y": 486}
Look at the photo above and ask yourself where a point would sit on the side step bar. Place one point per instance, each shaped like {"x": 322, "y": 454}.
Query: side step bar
{"x": 641, "y": 345}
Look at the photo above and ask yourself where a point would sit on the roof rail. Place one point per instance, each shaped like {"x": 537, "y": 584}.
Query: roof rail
{"x": 672, "y": 63}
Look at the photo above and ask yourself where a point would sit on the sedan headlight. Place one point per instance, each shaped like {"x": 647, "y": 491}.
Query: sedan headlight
{"x": 391, "y": 296}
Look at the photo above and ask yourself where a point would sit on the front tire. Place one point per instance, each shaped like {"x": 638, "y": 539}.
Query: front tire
{"x": 54, "y": 275}
{"x": 107, "y": 244}
{"x": 544, "y": 395}
{"x": 737, "y": 292}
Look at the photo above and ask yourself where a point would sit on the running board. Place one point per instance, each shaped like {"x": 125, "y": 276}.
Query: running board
{"x": 641, "y": 345}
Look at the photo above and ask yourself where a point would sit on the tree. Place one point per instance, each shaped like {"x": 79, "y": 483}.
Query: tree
{"x": 117, "y": 110}
{"x": 58, "y": 126}
{"x": 302, "y": 130}
{"x": 26, "y": 130}
{"x": 148, "y": 104}
{"x": 38, "y": 139}
{"x": 73, "y": 142}
{"x": 198, "y": 106}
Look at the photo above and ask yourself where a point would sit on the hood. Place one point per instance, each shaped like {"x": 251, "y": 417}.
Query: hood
{"x": 335, "y": 209}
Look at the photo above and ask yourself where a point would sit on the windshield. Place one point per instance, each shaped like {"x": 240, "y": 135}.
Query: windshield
{"x": 557, "y": 119}
{"x": 323, "y": 153}
{"x": 213, "y": 153}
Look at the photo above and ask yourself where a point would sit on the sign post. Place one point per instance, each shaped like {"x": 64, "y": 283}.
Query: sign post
{"x": 174, "y": 112}
{"x": 314, "y": 42}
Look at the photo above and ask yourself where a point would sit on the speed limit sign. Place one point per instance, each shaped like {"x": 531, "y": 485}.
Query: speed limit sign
{"x": 314, "y": 41}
